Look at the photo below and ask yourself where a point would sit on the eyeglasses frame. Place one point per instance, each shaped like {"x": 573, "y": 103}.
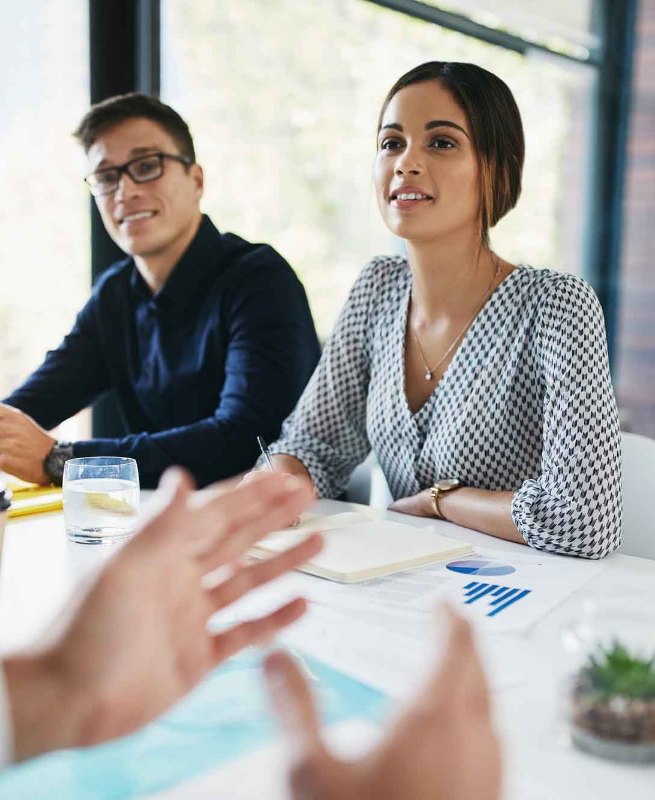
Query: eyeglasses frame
{"x": 124, "y": 169}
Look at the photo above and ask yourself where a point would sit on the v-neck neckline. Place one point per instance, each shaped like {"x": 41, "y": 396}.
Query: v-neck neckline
{"x": 450, "y": 370}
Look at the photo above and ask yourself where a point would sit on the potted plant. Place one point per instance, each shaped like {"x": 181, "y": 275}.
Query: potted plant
{"x": 612, "y": 704}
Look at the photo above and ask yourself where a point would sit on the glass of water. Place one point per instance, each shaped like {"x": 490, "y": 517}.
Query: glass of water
{"x": 101, "y": 499}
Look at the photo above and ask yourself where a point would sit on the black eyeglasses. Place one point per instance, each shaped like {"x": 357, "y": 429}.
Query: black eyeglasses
{"x": 141, "y": 169}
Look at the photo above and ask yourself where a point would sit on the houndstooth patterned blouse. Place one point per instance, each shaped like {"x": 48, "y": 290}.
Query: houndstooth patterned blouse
{"x": 525, "y": 405}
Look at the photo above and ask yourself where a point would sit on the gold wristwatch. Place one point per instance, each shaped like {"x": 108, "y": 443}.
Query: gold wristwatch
{"x": 445, "y": 485}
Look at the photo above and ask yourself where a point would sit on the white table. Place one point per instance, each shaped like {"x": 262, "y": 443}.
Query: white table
{"x": 40, "y": 568}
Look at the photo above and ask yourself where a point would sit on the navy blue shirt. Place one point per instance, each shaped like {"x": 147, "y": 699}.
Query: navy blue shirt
{"x": 218, "y": 356}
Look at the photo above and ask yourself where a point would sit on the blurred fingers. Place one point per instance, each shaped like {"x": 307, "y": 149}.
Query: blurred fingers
{"x": 166, "y": 512}
{"x": 250, "y": 576}
{"x": 256, "y": 631}
{"x": 235, "y": 521}
{"x": 215, "y": 490}
{"x": 473, "y": 684}
{"x": 293, "y": 703}
{"x": 253, "y": 476}
{"x": 459, "y": 679}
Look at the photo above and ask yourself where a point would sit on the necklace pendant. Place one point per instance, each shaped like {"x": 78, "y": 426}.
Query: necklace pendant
{"x": 428, "y": 375}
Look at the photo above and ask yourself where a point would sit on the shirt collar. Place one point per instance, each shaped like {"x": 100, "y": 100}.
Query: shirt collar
{"x": 199, "y": 264}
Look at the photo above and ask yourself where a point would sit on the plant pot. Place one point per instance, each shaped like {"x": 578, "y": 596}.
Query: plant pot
{"x": 608, "y": 695}
{"x": 619, "y": 728}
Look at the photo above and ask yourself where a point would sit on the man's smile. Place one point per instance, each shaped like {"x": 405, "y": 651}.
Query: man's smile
{"x": 136, "y": 216}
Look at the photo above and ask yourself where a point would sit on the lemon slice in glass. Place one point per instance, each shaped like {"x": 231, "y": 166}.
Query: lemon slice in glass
{"x": 105, "y": 502}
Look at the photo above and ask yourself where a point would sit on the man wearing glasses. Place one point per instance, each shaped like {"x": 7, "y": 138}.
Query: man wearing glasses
{"x": 206, "y": 340}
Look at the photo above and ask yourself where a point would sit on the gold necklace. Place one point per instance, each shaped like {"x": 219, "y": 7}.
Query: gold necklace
{"x": 429, "y": 371}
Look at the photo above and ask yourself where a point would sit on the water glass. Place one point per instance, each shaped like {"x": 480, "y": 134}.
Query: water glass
{"x": 101, "y": 499}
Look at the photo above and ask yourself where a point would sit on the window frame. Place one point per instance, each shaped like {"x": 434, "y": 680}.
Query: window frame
{"x": 133, "y": 67}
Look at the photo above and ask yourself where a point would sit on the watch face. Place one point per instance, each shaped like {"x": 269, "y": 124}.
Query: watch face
{"x": 53, "y": 463}
{"x": 447, "y": 483}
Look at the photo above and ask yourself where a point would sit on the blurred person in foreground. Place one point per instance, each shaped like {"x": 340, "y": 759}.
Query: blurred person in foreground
{"x": 139, "y": 642}
{"x": 204, "y": 339}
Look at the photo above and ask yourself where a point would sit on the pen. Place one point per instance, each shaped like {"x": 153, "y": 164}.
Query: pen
{"x": 265, "y": 452}
{"x": 269, "y": 461}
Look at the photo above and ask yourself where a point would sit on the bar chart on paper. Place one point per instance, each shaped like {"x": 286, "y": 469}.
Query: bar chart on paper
{"x": 510, "y": 590}
{"x": 498, "y": 598}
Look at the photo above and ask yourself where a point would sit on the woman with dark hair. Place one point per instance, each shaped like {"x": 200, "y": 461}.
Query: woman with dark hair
{"x": 483, "y": 387}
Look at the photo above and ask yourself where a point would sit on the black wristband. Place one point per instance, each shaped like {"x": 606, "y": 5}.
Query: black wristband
{"x": 53, "y": 463}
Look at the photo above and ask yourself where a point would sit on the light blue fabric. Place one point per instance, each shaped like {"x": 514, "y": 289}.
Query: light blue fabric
{"x": 226, "y": 716}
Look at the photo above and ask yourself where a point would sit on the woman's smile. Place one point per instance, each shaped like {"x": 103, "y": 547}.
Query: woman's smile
{"x": 406, "y": 198}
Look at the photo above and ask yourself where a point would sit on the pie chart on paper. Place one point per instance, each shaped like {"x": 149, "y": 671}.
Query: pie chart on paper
{"x": 473, "y": 566}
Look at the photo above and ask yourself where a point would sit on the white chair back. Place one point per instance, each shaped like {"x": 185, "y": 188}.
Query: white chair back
{"x": 638, "y": 496}
{"x": 368, "y": 485}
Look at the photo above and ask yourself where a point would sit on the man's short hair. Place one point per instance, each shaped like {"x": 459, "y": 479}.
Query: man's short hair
{"x": 114, "y": 110}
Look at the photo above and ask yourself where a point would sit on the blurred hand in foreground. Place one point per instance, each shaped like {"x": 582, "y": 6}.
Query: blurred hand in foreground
{"x": 441, "y": 747}
{"x": 139, "y": 642}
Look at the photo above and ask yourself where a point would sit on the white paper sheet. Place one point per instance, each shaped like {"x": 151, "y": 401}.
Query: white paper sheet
{"x": 391, "y": 653}
{"x": 515, "y": 601}
{"x": 516, "y": 591}
{"x": 393, "y": 656}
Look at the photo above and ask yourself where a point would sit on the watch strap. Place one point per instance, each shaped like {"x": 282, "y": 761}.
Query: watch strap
{"x": 53, "y": 463}
{"x": 434, "y": 496}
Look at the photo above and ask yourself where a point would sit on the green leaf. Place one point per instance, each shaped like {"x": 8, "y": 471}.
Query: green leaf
{"x": 614, "y": 671}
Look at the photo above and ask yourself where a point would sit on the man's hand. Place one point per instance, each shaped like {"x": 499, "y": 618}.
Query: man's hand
{"x": 23, "y": 445}
{"x": 442, "y": 746}
{"x": 140, "y": 640}
{"x": 420, "y": 505}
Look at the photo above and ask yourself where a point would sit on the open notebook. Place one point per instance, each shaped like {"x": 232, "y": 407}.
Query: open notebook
{"x": 357, "y": 548}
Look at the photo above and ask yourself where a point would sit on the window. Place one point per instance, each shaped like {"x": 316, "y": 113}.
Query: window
{"x": 44, "y": 205}
{"x": 282, "y": 99}
{"x": 563, "y": 26}
{"x": 635, "y": 378}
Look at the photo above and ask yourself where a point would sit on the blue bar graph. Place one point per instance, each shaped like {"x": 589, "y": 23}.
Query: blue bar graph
{"x": 479, "y": 591}
{"x": 504, "y": 595}
{"x": 522, "y": 593}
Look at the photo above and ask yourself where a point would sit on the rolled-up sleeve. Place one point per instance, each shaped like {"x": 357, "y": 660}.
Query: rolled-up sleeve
{"x": 327, "y": 429}
{"x": 575, "y": 505}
